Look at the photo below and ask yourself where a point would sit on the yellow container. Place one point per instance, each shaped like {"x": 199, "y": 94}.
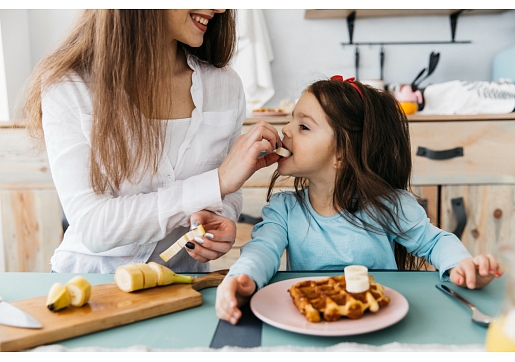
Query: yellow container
{"x": 500, "y": 336}
{"x": 409, "y": 107}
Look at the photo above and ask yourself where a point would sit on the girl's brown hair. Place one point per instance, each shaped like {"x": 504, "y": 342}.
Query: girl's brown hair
{"x": 123, "y": 56}
{"x": 372, "y": 141}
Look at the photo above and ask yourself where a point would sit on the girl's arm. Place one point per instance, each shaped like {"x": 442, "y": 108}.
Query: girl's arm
{"x": 260, "y": 258}
{"x": 422, "y": 239}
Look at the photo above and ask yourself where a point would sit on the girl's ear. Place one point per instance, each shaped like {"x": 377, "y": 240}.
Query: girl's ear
{"x": 337, "y": 164}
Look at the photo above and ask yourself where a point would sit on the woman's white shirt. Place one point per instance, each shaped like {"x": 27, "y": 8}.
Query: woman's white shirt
{"x": 118, "y": 228}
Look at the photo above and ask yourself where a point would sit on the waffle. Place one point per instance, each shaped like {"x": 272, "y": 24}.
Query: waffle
{"x": 327, "y": 299}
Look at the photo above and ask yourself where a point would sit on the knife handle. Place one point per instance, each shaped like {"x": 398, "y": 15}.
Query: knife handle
{"x": 209, "y": 280}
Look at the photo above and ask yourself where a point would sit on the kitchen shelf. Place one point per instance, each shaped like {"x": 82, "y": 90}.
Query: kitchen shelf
{"x": 377, "y": 13}
{"x": 351, "y": 16}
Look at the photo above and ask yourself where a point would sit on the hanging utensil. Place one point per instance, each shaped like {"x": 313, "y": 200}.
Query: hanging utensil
{"x": 356, "y": 59}
{"x": 381, "y": 62}
{"x": 433, "y": 62}
{"x": 413, "y": 84}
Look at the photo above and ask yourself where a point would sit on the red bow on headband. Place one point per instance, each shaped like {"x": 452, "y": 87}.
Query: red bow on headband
{"x": 350, "y": 81}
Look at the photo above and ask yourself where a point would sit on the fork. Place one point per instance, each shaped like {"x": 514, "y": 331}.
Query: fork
{"x": 477, "y": 316}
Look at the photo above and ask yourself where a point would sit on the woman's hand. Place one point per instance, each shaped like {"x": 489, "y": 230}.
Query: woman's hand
{"x": 475, "y": 273}
{"x": 242, "y": 161}
{"x": 218, "y": 240}
{"x": 233, "y": 293}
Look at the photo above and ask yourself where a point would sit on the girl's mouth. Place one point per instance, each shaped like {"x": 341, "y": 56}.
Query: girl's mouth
{"x": 200, "y": 21}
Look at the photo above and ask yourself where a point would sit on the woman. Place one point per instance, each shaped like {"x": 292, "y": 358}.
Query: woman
{"x": 138, "y": 112}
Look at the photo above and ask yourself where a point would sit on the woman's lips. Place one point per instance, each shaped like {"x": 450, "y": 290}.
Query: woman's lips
{"x": 200, "y": 21}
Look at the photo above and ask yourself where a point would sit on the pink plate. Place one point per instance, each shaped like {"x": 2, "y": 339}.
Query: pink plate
{"x": 273, "y": 305}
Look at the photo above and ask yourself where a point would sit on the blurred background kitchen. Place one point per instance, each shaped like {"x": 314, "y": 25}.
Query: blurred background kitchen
{"x": 279, "y": 53}
{"x": 291, "y": 50}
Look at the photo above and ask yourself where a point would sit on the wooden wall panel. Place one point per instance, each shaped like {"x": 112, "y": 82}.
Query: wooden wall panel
{"x": 490, "y": 215}
{"x": 32, "y": 229}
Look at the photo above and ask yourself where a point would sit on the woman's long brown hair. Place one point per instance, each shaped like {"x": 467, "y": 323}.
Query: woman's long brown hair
{"x": 123, "y": 57}
{"x": 372, "y": 140}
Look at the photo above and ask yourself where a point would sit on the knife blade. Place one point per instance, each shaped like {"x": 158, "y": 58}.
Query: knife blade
{"x": 14, "y": 317}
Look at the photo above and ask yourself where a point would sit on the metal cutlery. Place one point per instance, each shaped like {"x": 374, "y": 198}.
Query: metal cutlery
{"x": 477, "y": 316}
{"x": 14, "y": 317}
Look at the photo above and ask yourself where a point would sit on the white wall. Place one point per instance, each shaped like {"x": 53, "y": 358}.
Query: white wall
{"x": 26, "y": 35}
{"x": 16, "y": 57}
{"x": 306, "y": 50}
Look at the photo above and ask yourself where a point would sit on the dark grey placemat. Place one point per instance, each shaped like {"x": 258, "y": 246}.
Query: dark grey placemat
{"x": 246, "y": 334}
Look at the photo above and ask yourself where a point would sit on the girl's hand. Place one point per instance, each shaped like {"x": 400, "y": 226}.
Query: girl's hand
{"x": 218, "y": 240}
{"x": 475, "y": 273}
{"x": 242, "y": 161}
{"x": 233, "y": 293}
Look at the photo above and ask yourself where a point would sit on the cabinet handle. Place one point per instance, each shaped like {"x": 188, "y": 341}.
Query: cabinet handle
{"x": 247, "y": 219}
{"x": 458, "y": 206}
{"x": 440, "y": 155}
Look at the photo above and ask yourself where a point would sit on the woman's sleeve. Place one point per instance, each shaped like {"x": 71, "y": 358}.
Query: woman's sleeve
{"x": 440, "y": 248}
{"x": 232, "y": 203}
{"x": 261, "y": 257}
{"x": 106, "y": 221}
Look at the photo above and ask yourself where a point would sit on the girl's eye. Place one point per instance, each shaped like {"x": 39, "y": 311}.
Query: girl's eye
{"x": 303, "y": 127}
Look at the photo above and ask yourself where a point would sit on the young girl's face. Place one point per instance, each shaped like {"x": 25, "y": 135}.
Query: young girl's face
{"x": 310, "y": 138}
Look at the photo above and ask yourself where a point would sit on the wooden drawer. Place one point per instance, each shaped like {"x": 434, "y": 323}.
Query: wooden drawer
{"x": 487, "y": 147}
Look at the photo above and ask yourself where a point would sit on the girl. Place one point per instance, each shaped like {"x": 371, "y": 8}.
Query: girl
{"x": 138, "y": 112}
{"x": 351, "y": 161}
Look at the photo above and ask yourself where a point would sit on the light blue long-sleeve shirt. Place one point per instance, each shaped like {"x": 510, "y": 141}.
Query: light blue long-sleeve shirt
{"x": 315, "y": 242}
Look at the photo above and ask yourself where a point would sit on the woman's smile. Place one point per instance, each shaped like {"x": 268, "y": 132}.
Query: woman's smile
{"x": 201, "y": 21}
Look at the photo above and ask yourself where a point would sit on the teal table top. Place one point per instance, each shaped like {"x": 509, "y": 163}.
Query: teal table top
{"x": 433, "y": 317}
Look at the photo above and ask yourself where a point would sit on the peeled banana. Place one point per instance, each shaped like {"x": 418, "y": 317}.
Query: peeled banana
{"x": 58, "y": 297}
{"x": 166, "y": 276}
{"x": 80, "y": 291}
{"x": 134, "y": 277}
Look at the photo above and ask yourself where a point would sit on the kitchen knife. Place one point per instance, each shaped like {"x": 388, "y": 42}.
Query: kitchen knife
{"x": 14, "y": 317}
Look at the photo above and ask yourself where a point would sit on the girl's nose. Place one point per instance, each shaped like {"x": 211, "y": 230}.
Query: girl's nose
{"x": 286, "y": 131}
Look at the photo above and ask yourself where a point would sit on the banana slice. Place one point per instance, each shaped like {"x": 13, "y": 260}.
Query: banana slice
{"x": 129, "y": 278}
{"x": 355, "y": 270}
{"x": 282, "y": 152}
{"x": 80, "y": 291}
{"x": 357, "y": 284}
{"x": 58, "y": 297}
{"x": 179, "y": 244}
{"x": 149, "y": 276}
{"x": 167, "y": 276}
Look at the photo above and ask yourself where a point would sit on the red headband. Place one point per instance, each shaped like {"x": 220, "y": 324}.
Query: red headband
{"x": 350, "y": 81}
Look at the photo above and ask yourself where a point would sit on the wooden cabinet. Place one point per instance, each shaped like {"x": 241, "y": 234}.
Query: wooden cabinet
{"x": 30, "y": 211}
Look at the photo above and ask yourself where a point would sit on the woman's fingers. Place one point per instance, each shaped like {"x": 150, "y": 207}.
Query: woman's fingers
{"x": 243, "y": 159}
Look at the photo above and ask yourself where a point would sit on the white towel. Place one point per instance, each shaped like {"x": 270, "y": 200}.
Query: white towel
{"x": 460, "y": 97}
{"x": 253, "y": 57}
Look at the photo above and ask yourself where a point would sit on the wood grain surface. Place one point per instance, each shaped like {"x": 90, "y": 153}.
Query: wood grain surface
{"x": 108, "y": 307}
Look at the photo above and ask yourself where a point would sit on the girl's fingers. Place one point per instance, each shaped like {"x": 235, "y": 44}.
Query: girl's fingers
{"x": 483, "y": 264}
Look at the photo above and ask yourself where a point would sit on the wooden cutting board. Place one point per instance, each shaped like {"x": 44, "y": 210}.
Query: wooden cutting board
{"x": 108, "y": 307}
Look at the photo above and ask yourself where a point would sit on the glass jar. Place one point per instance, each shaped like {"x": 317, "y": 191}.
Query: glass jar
{"x": 500, "y": 336}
